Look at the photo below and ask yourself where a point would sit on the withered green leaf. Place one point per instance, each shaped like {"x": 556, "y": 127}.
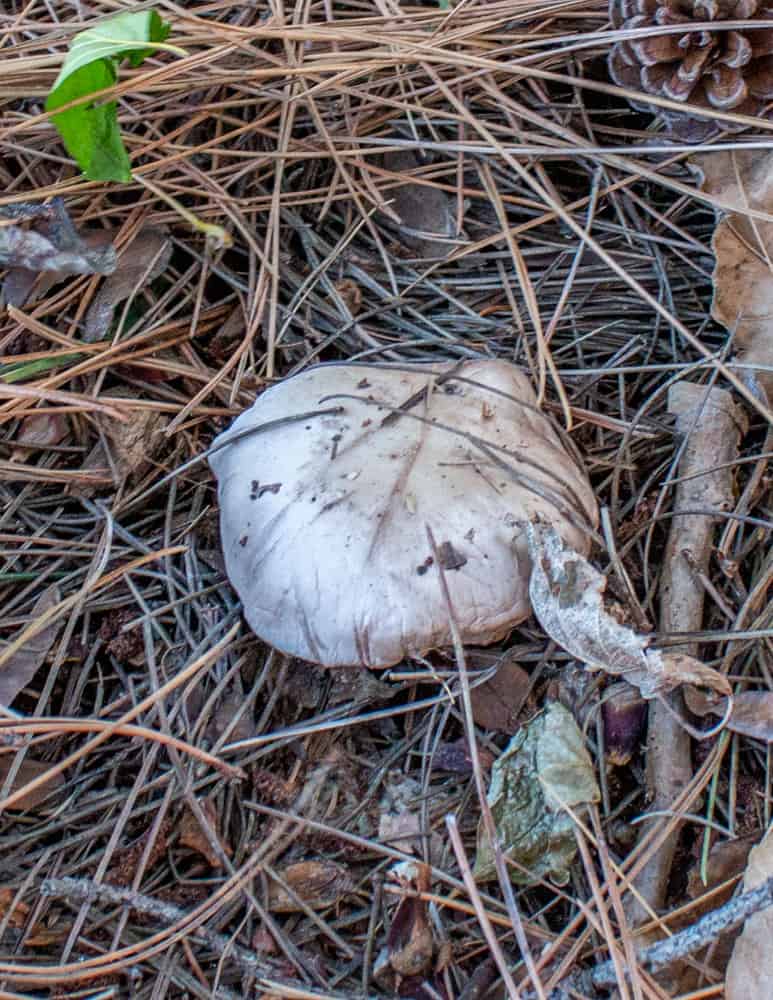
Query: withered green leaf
{"x": 544, "y": 770}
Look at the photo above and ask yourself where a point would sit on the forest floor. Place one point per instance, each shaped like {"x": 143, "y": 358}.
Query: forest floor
{"x": 186, "y": 812}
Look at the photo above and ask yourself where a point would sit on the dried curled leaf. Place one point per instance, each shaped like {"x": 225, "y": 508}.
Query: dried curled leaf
{"x": 743, "y": 275}
{"x": 455, "y": 757}
{"x": 193, "y": 836}
{"x": 15, "y": 915}
{"x": 318, "y": 884}
{"x": 133, "y": 444}
{"x": 37, "y": 432}
{"x": 19, "y": 670}
{"x": 544, "y": 771}
{"x": 30, "y": 770}
{"x": 751, "y": 713}
{"x": 51, "y": 244}
{"x": 567, "y": 595}
{"x": 141, "y": 262}
{"x": 410, "y": 943}
{"x": 496, "y": 704}
{"x": 750, "y": 971}
{"x": 424, "y": 211}
{"x": 399, "y": 822}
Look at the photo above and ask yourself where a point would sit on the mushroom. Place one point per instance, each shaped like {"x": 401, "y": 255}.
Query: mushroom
{"x": 329, "y": 482}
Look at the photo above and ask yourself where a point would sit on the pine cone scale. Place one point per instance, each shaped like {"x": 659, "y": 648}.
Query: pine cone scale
{"x": 659, "y": 49}
{"x": 726, "y": 69}
{"x": 761, "y": 81}
{"x": 738, "y": 52}
{"x": 691, "y": 68}
{"x": 726, "y": 89}
{"x": 761, "y": 42}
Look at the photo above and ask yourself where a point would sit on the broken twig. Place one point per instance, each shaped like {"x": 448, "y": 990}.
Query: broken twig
{"x": 710, "y": 422}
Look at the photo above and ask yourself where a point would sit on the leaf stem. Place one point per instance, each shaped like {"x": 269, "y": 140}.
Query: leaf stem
{"x": 162, "y": 46}
{"x": 219, "y": 236}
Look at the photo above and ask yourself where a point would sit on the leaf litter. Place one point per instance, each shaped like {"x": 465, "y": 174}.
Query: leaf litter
{"x": 48, "y": 245}
{"x": 496, "y": 704}
{"x": 20, "y": 668}
{"x": 146, "y": 257}
{"x": 567, "y": 595}
{"x": 750, "y": 970}
{"x": 539, "y": 784}
{"x": 319, "y": 271}
{"x": 743, "y": 270}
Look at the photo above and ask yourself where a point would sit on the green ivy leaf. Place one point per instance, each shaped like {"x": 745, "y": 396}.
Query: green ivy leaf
{"x": 90, "y": 129}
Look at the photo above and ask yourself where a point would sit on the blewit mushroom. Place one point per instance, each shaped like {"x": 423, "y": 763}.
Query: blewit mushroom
{"x": 327, "y": 485}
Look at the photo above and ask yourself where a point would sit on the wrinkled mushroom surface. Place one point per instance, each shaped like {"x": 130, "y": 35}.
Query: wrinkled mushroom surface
{"x": 324, "y": 518}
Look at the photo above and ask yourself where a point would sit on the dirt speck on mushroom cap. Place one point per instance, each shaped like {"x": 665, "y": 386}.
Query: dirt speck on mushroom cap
{"x": 336, "y": 566}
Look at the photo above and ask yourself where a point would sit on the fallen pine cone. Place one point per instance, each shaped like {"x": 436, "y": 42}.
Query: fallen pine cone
{"x": 721, "y": 69}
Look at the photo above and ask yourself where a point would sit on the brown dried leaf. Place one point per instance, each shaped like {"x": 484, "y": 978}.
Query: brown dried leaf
{"x": 225, "y": 340}
{"x": 424, "y": 211}
{"x": 18, "y": 916}
{"x": 19, "y": 670}
{"x": 351, "y": 293}
{"x": 358, "y": 686}
{"x": 703, "y": 703}
{"x": 37, "y": 936}
{"x": 132, "y": 443}
{"x": 399, "y": 822}
{"x": 146, "y": 257}
{"x": 29, "y": 770}
{"x": 496, "y": 704}
{"x": 25, "y": 287}
{"x": 743, "y": 274}
{"x": 318, "y": 883}
{"x": 727, "y": 859}
{"x": 263, "y": 941}
{"x": 192, "y": 835}
{"x": 51, "y": 243}
{"x": 39, "y": 431}
{"x": 750, "y": 971}
{"x": 401, "y": 830}
{"x": 567, "y": 595}
{"x": 226, "y": 710}
{"x": 409, "y": 942}
{"x": 751, "y": 714}
{"x": 18, "y": 285}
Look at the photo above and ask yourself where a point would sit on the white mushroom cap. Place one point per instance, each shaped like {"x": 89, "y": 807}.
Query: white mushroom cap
{"x": 324, "y": 517}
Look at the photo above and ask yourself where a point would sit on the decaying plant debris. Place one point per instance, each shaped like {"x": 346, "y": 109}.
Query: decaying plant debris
{"x": 187, "y": 812}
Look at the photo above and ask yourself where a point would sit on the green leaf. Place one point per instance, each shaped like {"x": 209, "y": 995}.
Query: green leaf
{"x": 90, "y": 129}
{"x": 126, "y": 34}
{"x": 31, "y": 369}
{"x": 544, "y": 771}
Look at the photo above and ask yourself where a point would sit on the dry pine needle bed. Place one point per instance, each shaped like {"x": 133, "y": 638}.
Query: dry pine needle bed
{"x": 503, "y": 726}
